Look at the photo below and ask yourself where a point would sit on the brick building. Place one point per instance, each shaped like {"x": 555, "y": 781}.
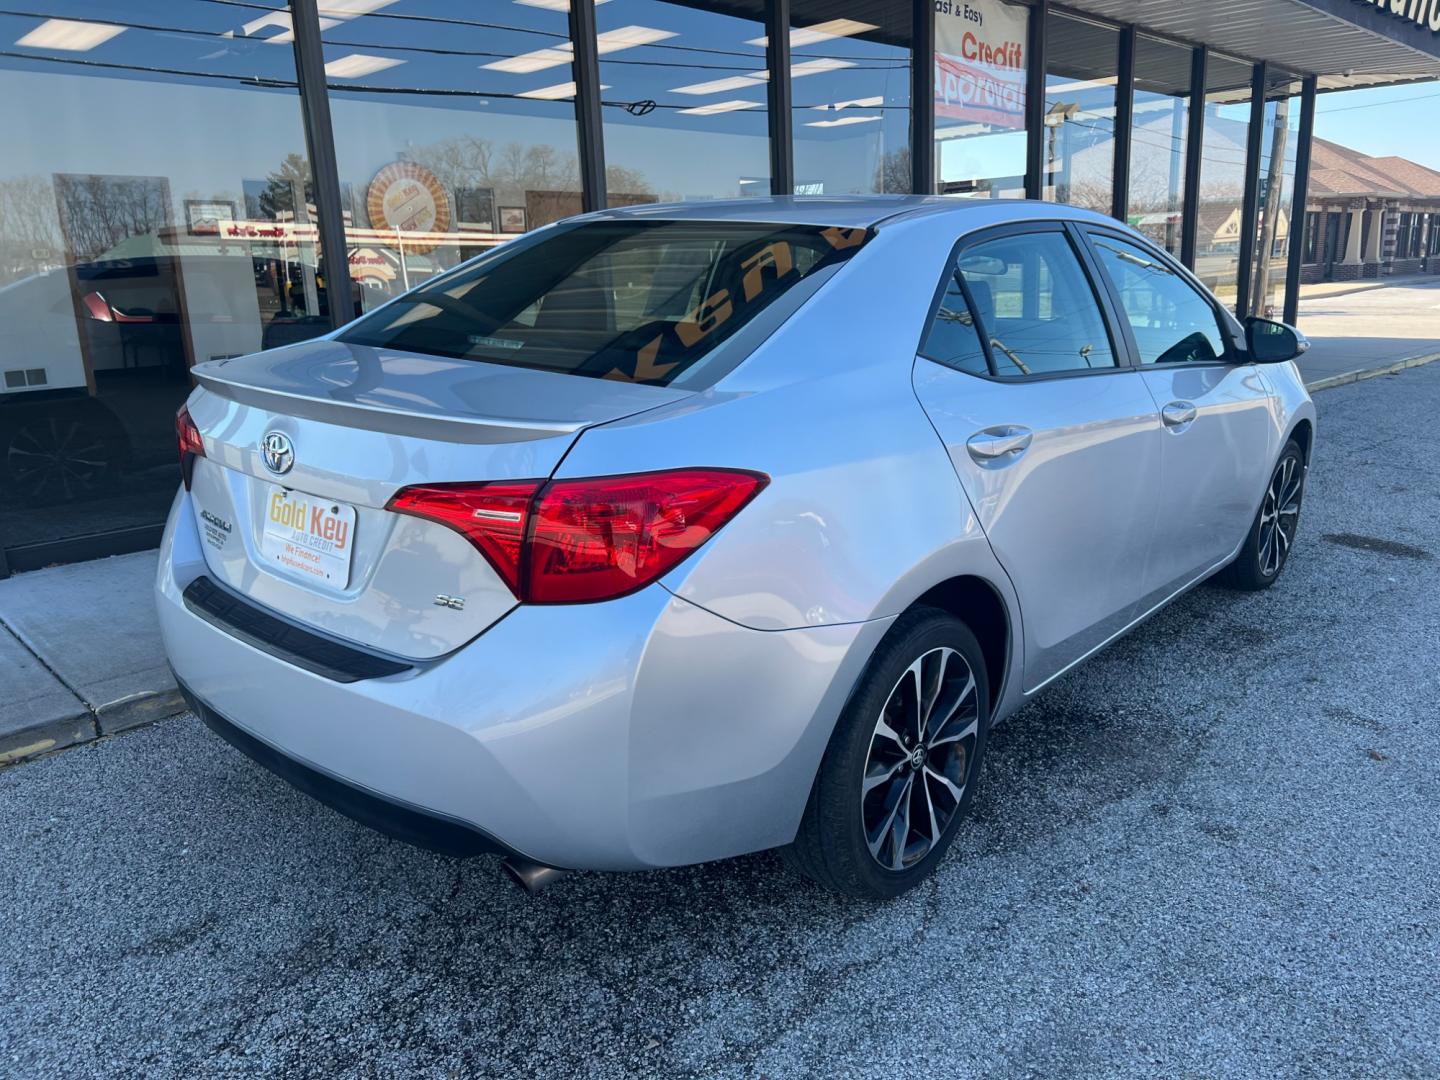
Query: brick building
{"x": 1369, "y": 217}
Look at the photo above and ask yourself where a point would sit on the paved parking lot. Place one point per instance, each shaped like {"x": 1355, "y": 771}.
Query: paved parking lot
{"x": 1212, "y": 852}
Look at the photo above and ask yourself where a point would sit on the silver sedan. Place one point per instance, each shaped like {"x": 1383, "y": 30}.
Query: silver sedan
{"x": 666, "y": 534}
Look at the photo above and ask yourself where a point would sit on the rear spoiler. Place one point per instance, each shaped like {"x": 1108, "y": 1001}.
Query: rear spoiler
{"x": 388, "y": 418}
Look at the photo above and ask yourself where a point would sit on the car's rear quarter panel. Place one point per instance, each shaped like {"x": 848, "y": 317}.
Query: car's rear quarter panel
{"x": 864, "y": 512}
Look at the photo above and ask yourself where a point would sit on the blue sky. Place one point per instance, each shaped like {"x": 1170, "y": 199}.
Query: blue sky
{"x": 1391, "y": 120}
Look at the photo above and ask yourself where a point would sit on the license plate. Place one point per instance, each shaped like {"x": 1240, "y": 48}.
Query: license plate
{"x": 308, "y": 536}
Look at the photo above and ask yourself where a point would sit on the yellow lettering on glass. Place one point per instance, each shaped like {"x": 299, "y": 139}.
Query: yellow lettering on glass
{"x": 840, "y": 239}
{"x": 710, "y": 314}
{"x": 776, "y": 256}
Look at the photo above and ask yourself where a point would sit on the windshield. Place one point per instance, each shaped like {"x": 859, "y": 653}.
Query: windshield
{"x": 641, "y": 301}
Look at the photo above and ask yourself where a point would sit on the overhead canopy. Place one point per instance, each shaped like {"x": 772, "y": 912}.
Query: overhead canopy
{"x": 1347, "y": 43}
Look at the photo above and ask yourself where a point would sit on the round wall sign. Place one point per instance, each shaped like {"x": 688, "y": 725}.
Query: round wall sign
{"x": 408, "y": 198}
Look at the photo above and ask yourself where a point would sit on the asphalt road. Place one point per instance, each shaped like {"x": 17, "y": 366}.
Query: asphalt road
{"x": 1214, "y": 851}
{"x": 1371, "y": 329}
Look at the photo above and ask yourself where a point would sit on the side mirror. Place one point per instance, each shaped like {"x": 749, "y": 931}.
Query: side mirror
{"x": 1271, "y": 342}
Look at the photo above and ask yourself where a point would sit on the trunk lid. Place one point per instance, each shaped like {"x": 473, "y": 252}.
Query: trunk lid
{"x": 361, "y": 423}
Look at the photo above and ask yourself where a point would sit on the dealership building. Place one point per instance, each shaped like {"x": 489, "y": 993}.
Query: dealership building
{"x": 191, "y": 179}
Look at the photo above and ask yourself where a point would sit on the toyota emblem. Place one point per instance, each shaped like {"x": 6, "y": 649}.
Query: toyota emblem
{"x": 278, "y": 452}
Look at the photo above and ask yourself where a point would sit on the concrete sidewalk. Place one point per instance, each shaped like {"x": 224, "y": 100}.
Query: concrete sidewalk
{"x": 1318, "y": 290}
{"x": 1373, "y": 333}
{"x": 80, "y": 655}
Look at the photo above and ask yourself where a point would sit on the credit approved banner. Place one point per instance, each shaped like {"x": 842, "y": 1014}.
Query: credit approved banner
{"x": 980, "y": 62}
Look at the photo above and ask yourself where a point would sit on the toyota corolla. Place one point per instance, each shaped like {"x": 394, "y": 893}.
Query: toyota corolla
{"x": 667, "y": 534}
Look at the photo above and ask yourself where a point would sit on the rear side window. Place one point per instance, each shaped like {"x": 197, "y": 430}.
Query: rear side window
{"x": 640, "y": 301}
{"x": 1171, "y": 321}
{"x": 1033, "y": 301}
{"x": 953, "y": 338}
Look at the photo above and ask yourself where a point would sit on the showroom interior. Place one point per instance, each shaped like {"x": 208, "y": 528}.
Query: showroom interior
{"x": 179, "y": 173}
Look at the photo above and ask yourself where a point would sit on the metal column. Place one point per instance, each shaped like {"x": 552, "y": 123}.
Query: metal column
{"x": 587, "y": 105}
{"x": 320, "y": 146}
{"x": 1291, "y": 313}
{"x": 922, "y": 99}
{"x": 1124, "y": 124}
{"x": 1250, "y": 207}
{"x": 778, "y": 98}
{"x": 1194, "y": 148}
{"x": 1035, "y": 102}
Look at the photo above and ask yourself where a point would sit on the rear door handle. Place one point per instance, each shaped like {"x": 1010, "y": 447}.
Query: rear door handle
{"x": 1177, "y": 413}
{"x": 999, "y": 445}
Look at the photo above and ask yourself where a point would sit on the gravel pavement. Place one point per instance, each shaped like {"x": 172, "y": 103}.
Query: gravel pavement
{"x": 1213, "y": 851}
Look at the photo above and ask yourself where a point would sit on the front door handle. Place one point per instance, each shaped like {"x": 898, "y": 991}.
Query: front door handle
{"x": 999, "y": 445}
{"x": 1177, "y": 414}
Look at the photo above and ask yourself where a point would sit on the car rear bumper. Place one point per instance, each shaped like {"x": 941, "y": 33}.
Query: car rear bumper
{"x": 638, "y": 732}
{"x": 412, "y": 824}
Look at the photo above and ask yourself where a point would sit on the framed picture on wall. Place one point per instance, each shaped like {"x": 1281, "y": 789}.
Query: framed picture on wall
{"x": 512, "y": 219}
{"x": 203, "y": 216}
{"x": 475, "y": 209}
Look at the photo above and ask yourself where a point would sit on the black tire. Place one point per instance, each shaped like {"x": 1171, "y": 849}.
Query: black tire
{"x": 1272, "y": 534}
{"x": 53, "y": 452}
{"x": 833, "y": 845}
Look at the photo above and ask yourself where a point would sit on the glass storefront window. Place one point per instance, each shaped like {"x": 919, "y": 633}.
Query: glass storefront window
{"x": 1276, "y": 202}
{"x": 454, "y": 131}
{"x": 155, "y": 212}
{"x": 980, "y": 76}
{"x": 850, "y": 62}
{"x": 684, "y": 101}
{"x": 1157, "y": 140}
{"x": 1081, "y": 59}
{"x": 1222, "y": 175}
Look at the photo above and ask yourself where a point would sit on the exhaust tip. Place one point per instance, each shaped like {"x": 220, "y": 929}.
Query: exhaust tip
{"x": 530, "y": 876}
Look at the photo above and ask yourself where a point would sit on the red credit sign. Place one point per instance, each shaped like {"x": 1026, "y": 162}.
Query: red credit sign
{"x": 980, "y": 93}
{"x": 980, "y": 62}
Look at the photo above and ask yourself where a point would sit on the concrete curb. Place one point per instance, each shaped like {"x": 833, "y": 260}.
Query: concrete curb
{"x": 88, "y": 723}
{"x": 80, "y": 656}
{"x": 46, "y": 737}
{"x": 1370, "y": 373}
{"x": 51, "y": 715}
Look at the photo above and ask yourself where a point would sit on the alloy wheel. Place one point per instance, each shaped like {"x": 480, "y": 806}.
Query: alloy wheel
{"x": 1279, "y": 515}
{"x": 55, "y": 457}
{"x": 919, "y": 761}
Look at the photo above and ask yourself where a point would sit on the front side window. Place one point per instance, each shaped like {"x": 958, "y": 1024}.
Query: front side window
{"x": 1172, "y": 323}
{"x": 1035, "y": 304}
{"x": 638, "y": 301}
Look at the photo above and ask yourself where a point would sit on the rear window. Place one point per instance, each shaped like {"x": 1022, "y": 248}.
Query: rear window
{"x": 640, "y": 301}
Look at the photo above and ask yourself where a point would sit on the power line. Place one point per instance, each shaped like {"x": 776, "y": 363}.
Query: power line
{"x": 1375, "y": 104}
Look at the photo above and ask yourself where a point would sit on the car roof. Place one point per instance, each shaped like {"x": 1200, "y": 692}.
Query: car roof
{"x": 845, "y": 211}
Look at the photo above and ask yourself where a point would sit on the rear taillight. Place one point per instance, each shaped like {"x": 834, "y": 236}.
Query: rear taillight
{"x": 575, "y": 541}
{"x": 601, "y": 538}
{"x": 188, "y": 442}
{"x": 490, "y": 516}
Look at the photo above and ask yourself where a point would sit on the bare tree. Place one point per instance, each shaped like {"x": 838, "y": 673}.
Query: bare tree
{"x": 893, "y": 174}
{"x": 468, "y": 161}
{"x": 30, "y": 239}
{"x": 97, "y": 212}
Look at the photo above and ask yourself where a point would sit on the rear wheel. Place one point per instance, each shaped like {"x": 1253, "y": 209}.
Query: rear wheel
{"x": 56, "y": 455}
{"x": 1272, "y": 534}
{"x": 902, "y": 766}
